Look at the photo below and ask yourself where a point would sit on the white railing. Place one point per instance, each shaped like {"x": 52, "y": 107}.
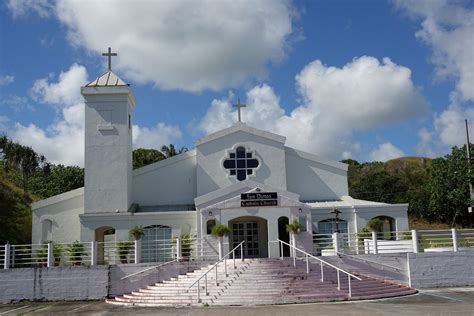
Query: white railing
{"x": 322, "y": 264}
{"x": 393, "y": 242}
{"x": 148, "y": 269}
{"x": 223, "y": 259}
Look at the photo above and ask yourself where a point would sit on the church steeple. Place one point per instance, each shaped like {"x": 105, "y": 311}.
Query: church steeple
{"x": 108, "y": 144}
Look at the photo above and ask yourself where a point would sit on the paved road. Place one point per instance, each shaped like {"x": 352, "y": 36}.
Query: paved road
{"x": 455, "y": 301}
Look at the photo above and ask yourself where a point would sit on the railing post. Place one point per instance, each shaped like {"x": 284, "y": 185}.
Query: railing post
{"x": 307, "y": 265}
{"x": 6, "y": 262}
{"x": 242, "y": 252}
{"x": 335, "y": 242}
{"x": 206, "y": 284}
{"x": 225, "y": 267}
{"x": 281, "y": 250}
{"x": 454, "y": 233}
{"x": 178, "y": 248}
{"x": 233, "y": 258}
{"x": 217, "y": 283}
{"x": 374, "y": 243}
{"x": 338, "y": 281}
{"x": 138, "y": 252}
{"x": 322, "y": 273}
{"x": 414, "y": 239}
{"x": 221, "y": 247}
{"x": 93, "y": 253}
{"x": 199, "y": 293}
{"x": 50, "y": 262}
{"x": 350, "y": 286}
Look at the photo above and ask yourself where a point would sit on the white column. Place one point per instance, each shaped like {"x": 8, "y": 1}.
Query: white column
{"x": 374, "y": 243}
{"x": 6, "y": 262}
{"x": 138, "y": 252}
{"x": 50, "y": 262}
{"x": 335, "y": 242}
{"x": 220, "y": 240}
{"x": 414, "y": 238}
{"x": 454, "y": 233}
{"x": 179, "y": 251}
{"x": 93, "y": 253}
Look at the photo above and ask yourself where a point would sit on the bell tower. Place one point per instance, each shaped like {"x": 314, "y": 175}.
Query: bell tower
{"x": 109, "y": 105}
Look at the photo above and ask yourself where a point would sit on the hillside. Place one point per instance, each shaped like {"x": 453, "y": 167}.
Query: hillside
{"x": 15, "y": 213}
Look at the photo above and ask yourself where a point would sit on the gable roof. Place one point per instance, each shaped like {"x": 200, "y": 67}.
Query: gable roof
{"x": 316, "y": 158}
{"x": 240, "y": 127}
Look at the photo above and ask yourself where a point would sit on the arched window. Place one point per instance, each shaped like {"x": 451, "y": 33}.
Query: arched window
{"x": 210, "y": 223}
{"x": 328, "y": 226}
{"x": 157, "y": 244}
{"x": 47, "y": 230}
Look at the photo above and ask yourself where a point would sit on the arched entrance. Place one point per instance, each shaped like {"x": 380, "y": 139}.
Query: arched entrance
{"x": 252, "y": 229}
{"x": 283, "y": 234}
{"x": 103, "y": 235}
{"x": 388, "y": 226}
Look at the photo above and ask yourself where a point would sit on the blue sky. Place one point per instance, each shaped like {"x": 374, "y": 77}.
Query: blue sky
{"x": 368, "y": 80}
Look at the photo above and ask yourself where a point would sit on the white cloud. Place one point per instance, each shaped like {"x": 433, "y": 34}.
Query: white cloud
{"x": 363, "y": 94}
{"x": 183, "y": 44}
{"x": 6, "y": 80}
{"x": 448, "y": 28}
{"x": 386, "y": 151}
{"x": 155, "y": 137}
{"x": 44, "y": 8}
{"x": 66, "y": 91}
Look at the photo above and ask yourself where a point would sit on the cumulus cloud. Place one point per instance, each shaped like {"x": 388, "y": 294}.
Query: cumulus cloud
{"x": 183, "y": 44}
{"x": 155, "y": 137}
{"x": 363, "y": 94}
{"x": 43, "y": 8}
{"x": 63, "y": 140}
{"x": 64, "y": 92}
{"x": 448, "y": 27}
{"x": 386, "y": 151}
{"x": 6, "y": 80}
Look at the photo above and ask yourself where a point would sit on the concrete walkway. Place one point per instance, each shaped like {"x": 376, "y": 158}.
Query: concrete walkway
{"x": 453, "y": 301}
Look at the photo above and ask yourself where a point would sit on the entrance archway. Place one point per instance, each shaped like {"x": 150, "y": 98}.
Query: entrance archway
{"x": 104, "y": 234}
{"x": 283, "y": 234}
{"x": 252, "y": 229}
{"x": 385, "y": 232}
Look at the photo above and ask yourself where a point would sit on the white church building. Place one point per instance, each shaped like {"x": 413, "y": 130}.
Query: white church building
{"x": 240, "y": 176}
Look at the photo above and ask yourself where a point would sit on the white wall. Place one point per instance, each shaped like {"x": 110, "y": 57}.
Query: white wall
{"x": 168, "y": 182}
{"x": 211, "y": 175}
{"x": 312, "y": 180}
{"x": 397, "y": 212}
{"x": 63, "y": 210}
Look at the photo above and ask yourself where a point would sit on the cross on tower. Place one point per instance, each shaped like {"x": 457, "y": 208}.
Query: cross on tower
{"x": 239, "y": 106}
{"x": 109, "y": 56}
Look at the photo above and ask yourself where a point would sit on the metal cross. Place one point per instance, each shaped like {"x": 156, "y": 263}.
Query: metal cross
{"x": 239, "y": 106}
{"x": 109, "y": 55}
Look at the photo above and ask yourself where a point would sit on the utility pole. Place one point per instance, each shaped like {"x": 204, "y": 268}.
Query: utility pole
{"x": 469, "y": 159}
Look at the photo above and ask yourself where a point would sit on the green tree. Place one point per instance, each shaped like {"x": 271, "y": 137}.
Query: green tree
{"x": 449, "y": 188}
{"x": 143, "y": 157}
{"x": 170, "y": 151}
{"x": 57, "y": 180}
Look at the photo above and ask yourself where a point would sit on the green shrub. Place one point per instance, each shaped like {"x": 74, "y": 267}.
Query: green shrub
{"x": 124, "y": 249}
{"x": 294, "y": 227}
{"x": 136, "y": 232}
{"x": 75, "y": 252}
{"x": 42, "y": 254}
{"x": 220, "y": 230}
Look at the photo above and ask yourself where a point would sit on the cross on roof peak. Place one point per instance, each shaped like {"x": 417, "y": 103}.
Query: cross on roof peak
{"x": 239, "y": 106}
{"x": 109, "y": 55}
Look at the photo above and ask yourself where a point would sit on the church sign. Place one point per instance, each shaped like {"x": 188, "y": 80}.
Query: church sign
{"x": 259, "y": 199}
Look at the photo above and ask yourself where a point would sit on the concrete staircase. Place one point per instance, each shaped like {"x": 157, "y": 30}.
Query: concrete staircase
{"x": 258, "y": 282}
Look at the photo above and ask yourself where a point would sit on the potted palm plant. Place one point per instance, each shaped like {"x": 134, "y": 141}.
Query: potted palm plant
{"x": 42, "y": 254}
{"x": 76, "y": 251}
{"x": 186, "y": 245}
{"x": 293, "y": 228}
{"x": 219, "y": 231}
{"x": 124, "y": 248}
{"x": 136, "y": 232}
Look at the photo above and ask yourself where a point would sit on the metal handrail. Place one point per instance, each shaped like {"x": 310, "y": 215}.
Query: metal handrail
{"x": 149, "y": 268}
{"x": 322, "y": 262}
{"x": 370, "y": 261}
{"x": 215, "y": 266}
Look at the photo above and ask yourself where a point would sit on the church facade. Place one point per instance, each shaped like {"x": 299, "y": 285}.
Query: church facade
{"x": 241, "y": 176}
